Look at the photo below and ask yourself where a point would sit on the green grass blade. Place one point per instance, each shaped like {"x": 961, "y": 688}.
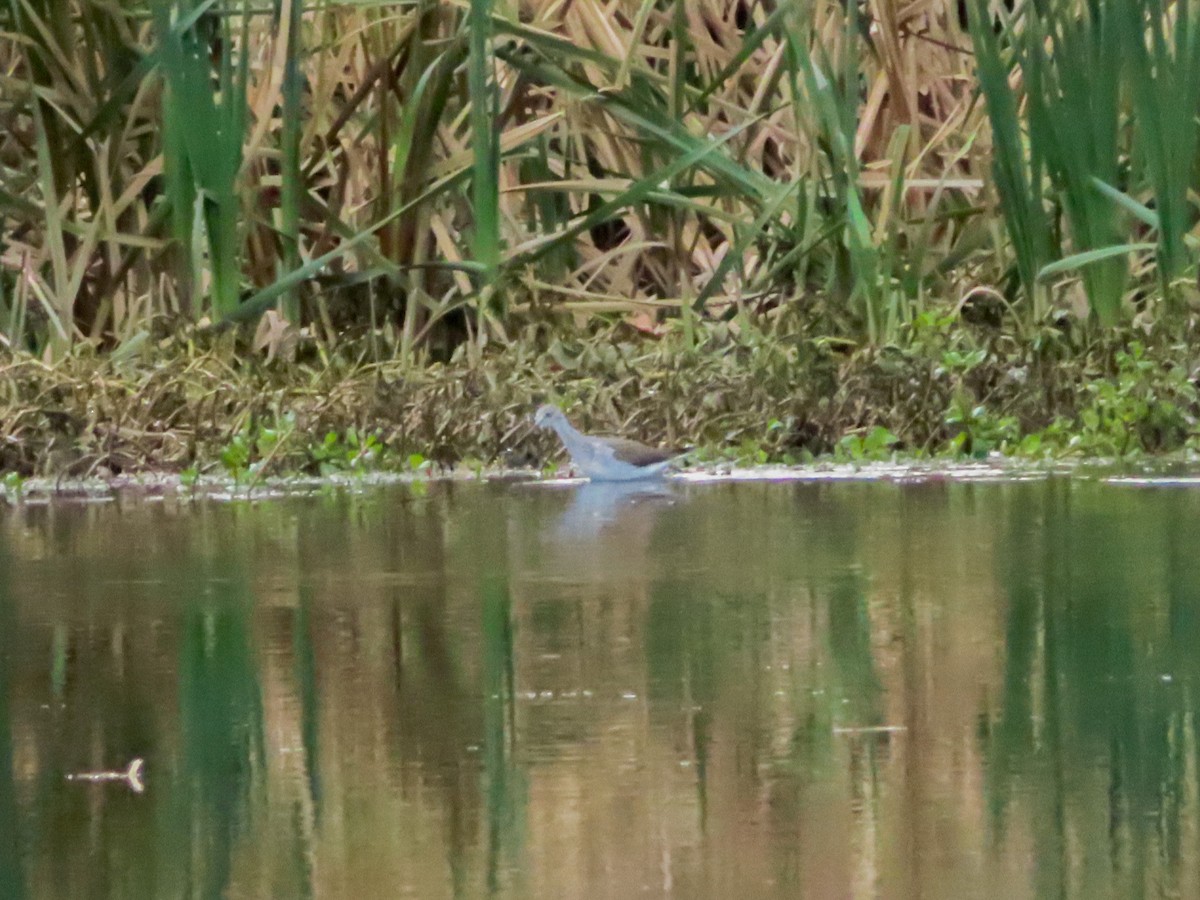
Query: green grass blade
{"x": 485, "y": 142}
{"x": 1139, "y": 211}
{"x": 637, "y": 192}
{"x": 748, "y": 236}
{"x": 292, "y": 179}
{"x": 1017, "y": 176}
{"x": 1090, "y": 258}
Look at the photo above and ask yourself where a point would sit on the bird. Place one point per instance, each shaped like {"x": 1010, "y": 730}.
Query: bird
{"x": 605, "y": 458}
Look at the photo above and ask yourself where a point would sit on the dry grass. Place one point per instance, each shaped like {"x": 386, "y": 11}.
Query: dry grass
{"x": 385, "y": 127}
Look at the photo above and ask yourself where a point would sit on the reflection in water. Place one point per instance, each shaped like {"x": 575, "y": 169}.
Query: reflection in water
{"x": 133, "y": 776}
{"x": 600, "y": 505}
{"x": 12, "y": 880}
{"x": 1100, "y": 666}
{"x": 221, "y": 728}
{"x": 607, "y": 691}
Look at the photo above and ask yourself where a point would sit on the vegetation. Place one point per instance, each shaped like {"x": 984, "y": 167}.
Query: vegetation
{"x": 786, "y": 228}
{"x": 732, "y": 391}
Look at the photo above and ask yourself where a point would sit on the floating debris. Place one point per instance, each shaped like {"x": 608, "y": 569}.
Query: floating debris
{"x": 871, "y": 729}
{"x": 133, "y": 775}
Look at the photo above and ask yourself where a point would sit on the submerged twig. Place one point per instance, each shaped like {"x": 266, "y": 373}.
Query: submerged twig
{"x": 133, "y": 775}
{"x": 870, "y": 729}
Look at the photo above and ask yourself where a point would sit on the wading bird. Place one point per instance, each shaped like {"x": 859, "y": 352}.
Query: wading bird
{"x": 605, "y": 458}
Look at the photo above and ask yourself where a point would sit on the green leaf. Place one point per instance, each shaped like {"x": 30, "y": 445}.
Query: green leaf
{"x": 1137, "y": 210}
{"x": 1088, "y": 257}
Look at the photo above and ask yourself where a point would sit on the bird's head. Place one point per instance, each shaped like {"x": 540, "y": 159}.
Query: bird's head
{"x": 548, "y": 416}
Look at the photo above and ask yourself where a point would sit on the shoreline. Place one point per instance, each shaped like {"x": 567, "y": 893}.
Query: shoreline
{"x": 747, "y": 397}
{"x": 157, "y": 487}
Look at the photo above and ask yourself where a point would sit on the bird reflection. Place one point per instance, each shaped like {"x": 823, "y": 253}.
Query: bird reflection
{"x": 597, "y": 505}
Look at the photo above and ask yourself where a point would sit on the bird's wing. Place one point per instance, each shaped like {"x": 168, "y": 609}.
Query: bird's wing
{"x": 638, "y": 454}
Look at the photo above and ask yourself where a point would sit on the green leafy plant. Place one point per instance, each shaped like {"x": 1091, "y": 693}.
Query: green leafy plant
{"x": 976, "y": 431}
{"x": 751, "y": 452}
{"x": 12, "y": 483}
{"x": 252, "y": 449}
{"x": 351, "y": 452}
{"x": 872, "y": 444}
{"x": 204, "y": 119}
{"x": 1144, "y": 405}
{"x": 237, "y": 454}
{"x": 419, "y": 464}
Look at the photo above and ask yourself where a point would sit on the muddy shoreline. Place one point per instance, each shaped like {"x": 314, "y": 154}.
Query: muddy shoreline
{"x": 741, "y": 397}
{"x": 169, "y": 487}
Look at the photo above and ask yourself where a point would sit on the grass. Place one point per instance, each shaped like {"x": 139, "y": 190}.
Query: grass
{"x": 205, "y": 122}
{"x": 1098, "y": 131}
{"x": 455, "y": 166}
{"x": 954, "y": 389}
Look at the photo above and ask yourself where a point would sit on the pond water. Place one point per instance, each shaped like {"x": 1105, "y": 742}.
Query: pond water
{"x": 942, "y": 689}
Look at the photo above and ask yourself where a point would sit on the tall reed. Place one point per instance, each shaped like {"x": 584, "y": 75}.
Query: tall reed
{"x": 290, "y": 21}
{"x": 1018, "y": 173}
{"x": 206, "y": 123}
{"x": 449, "y": 164}
{"x": 1093, "y": 109}
{"x": 1162, "y": 47}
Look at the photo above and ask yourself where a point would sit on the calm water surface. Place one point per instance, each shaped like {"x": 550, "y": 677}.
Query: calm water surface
{"x": 940, "y": 690}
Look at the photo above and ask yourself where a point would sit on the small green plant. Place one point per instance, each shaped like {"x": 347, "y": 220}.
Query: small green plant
{"x": 267, "y": 441}
{"x": 329, "y": 455}
{"x": 419, "y": 464}
{"x": 368, "y": 449}
{"x": 189, "y": 477}
{"x": 1144, "y": 406}
{"x": 873, "y": 445}
{"x": 751, "y": 452}
{"x": 252, "y": 450}
{"x": 236, "y": 455}
{"x": 13, "y": 483}
{"x": 353, "y": 452}
{"x": 976, "y": 430}
{"x": 961, "y": 361}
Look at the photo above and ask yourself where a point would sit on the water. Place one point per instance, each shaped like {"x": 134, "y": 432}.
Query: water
{"x": 942, "y": 690}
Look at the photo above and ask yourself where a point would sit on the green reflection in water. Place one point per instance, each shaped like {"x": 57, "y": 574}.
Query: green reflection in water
{"x": 221, "y": 727}
{"x": 484, "y": 691}
{"x": 505, "y": 782}
{"x": 1100, "y": 678}
{"x": 12, "y": 878}
{"x": 685, "y": 661}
